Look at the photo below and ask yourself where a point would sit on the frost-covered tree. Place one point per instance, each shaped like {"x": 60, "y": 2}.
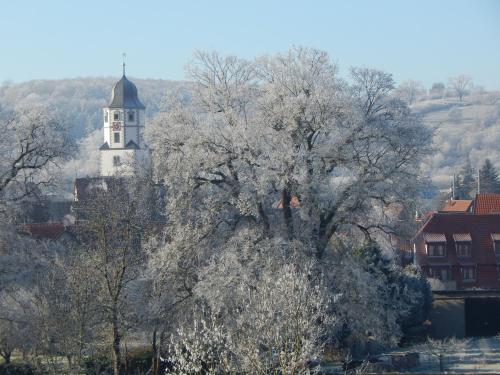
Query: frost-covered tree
{"x": 32, "y": 142}
{"x": 488, "y": 177}
{"x": 286, "y": 127}
{"x": 279, "y": 150}
{"x": 461, "y": 85}
{"x": 269, "y": 314}
{"x": 437, "y": 90}
{"x": 114, "y": 220}
{"x": 466, "y": 182}
{"x": 410, "y": 91}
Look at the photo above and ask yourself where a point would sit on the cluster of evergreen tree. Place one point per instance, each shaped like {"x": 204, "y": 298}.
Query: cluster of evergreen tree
{"x": 467, "y": 184}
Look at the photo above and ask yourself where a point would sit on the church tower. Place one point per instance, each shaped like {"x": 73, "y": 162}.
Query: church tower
{"x": 123, "y": 130}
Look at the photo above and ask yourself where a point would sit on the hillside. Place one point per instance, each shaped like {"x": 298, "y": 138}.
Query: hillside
{"x": 78, "y": 101}
{"x": 469, "y": 128}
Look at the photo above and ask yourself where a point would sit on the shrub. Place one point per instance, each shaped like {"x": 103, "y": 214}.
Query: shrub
{"x": 18, "y": 369}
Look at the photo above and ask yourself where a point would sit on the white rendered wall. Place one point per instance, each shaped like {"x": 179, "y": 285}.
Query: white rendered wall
{"x": 128, "y": 160}
{"x": 129, "y": 130}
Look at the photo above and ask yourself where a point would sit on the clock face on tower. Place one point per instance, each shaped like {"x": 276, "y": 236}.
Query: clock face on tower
{"x": 117, "y": 126}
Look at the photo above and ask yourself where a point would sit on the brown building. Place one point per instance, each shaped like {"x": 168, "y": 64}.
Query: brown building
{"x": 459, "y": 250}
{"x": 462, "y": 250}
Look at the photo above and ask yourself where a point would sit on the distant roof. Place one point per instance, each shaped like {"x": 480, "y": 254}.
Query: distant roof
{"x": 457, "y": 205}
{"x": 487, "y": 204}
{"x": 125, "y": 95}
{"x": 49, "y": 231}
{"x": 132, "y": 145}
{"x": 86, "y": 187}
{"x": 294, "y": 202}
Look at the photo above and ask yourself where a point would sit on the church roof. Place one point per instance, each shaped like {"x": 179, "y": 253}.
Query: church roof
{"x": 125, "y": 95}
{"x": 132, "y": 145}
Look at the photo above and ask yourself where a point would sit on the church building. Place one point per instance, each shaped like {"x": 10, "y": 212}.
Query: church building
{"x": 124, "y": 122}
{"x": 123, "y": 147}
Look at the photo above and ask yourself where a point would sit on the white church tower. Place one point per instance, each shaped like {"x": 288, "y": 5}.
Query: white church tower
{"x": 124, "y": 123}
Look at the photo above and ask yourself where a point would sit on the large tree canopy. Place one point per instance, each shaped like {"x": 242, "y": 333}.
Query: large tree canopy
{"x": 265, "y": 133}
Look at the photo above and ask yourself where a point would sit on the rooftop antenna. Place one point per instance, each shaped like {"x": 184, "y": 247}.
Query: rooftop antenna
{"x": 453, "y": 188}
{"x": 478, "y": 181}
{"x": 124, "y": 56}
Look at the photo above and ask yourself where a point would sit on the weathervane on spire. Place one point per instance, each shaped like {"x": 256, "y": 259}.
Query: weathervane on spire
{"x": 124, "y": 55}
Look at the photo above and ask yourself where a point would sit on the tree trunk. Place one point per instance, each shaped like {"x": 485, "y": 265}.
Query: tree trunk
{"x": 287, "y": 211}
{"x": 116, "y": 347}
{"x": 6, "y": 356}
{"x": 441, "y": 363}
{"x": 155, "y": 359}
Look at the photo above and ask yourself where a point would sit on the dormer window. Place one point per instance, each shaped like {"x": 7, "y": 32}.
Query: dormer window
{"x": 435, "y": 244}
{"x": 116, "y": 116}
{"x": 106, "y": 118}
{"x": 495, "y": 238}
{"x": 463, "y": 244}
{"x": 116, "y": 137}
{"x": 131, "y": 116}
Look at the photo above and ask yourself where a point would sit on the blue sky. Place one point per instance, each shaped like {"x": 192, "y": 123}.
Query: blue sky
{"x": 422, "y": 40}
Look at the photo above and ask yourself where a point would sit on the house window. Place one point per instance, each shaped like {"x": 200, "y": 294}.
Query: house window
{"x": 116, "y": 137}
{"x": 131, "y": 116}
{"x": 468, "y": 273}
{"x": 440, "y": 273}
{"x": 436, "y": 249}
{"x": 116, "y": 161}
{"x": 463, "y": 249}
{"x": 116, "y": 115}
{"x": 106, "y": 119}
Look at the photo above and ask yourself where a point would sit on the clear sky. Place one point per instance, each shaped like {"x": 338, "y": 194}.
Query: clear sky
{"x": 421, "y": 39}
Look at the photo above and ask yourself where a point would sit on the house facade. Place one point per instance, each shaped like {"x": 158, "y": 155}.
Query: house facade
{"x": 458, "y": 248}
{"x": 461, "y": 250}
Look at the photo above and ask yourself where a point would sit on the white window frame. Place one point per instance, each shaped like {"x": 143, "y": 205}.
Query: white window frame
{"x": 436, "y": 272}
{"x": 457, "y": 246}
{"x": 468, "y": 271}
{"x": 428, "y": 247}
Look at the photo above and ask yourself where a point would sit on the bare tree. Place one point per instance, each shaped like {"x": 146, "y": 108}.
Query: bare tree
{"x": 113, "y": 221}
{"x": 461, "y": 85}
{"x": 410, "y": 91}
{"x": 32, "y": 142}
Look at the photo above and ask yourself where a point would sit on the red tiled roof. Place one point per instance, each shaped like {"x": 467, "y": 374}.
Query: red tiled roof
{"x": 478, "y": 230}
{"x": 49, "y": 231}
{"x": 487, "y": 204}
{"x": 478, "y": 227}
{"x": 294, "y": 202}
{"x": 458, "y": 205}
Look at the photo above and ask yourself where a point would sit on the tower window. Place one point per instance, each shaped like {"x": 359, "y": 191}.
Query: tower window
{"x": 116, "y": 161}
{"x": 106, "y": 117}
{"x": 131, "y": 116}
{"x": 116, "y": 116}
{"x": 116, "y": 137}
